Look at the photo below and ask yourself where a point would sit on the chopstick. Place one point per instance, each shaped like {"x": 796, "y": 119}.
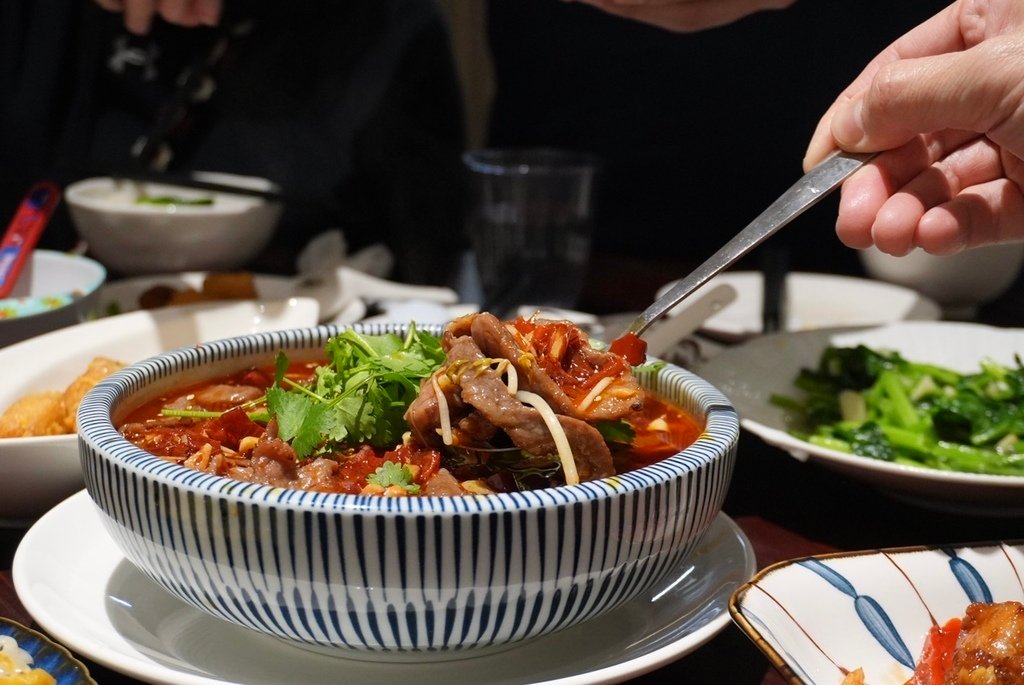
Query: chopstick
{"x": 774, "y": 266}
{"x": 184, "y": 181}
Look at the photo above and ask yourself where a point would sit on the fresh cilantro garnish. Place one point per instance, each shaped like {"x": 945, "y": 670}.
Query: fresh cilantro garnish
{"x": 392, "y": 473}
{"x": 360, "y": 396}
{"x": 616, "y": 431}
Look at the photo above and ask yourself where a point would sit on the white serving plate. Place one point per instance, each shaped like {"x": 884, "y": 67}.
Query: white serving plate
{"x": 77, "y": 585}
{"x": 816, "y": 617}
{"x": 751, "y": 372}
{"x": 814, "y": 301}
{"x": 39, "y": 472}
{"x": 342, "y": 293}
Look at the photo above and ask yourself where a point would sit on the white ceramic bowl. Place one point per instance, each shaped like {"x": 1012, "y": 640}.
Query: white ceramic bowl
{"x": 38, "y": 472}
{"x": 959, "y": 283}
{"x": 53, "y": 290}
{"x": 411, "y": 578}
{"x": 133, "y": 238}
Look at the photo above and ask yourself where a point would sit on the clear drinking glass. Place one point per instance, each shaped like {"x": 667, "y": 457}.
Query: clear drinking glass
{"x": 530, "y": 222}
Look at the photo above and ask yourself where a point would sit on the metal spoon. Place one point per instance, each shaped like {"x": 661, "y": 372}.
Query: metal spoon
{"x": 815, "y": 185}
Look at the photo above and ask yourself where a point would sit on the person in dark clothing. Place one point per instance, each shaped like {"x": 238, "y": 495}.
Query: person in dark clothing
{"x": 355, "y": 103}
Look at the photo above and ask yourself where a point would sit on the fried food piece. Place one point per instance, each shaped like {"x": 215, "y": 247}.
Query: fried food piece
{"x": 235, "y": 285}
{"x": 855, "y": 677}
{"x": 98, "y": 369}
{"x": 39, "y": 413}
{"x": 187, "y": 296}
{"x": 157, "y": 296}
{"x": 990, "y": 648}
{"x": 232, "y": 285}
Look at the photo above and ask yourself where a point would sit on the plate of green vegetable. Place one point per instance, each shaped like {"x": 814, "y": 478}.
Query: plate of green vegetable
{"x": 931, "y": 412}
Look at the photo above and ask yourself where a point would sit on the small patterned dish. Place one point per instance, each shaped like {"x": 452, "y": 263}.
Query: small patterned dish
{"x": 47, "y": 654}
{"x": 820, "y": 617}
{"x": 55, "y": 290}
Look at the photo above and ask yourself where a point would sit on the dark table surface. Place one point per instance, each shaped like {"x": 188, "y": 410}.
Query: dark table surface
{"x": 786, "y": 508}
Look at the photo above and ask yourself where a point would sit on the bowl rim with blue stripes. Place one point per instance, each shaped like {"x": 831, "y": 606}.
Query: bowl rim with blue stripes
{"x": 96, "y": 431}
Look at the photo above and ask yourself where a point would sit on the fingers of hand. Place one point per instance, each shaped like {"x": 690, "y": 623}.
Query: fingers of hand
{"x": 863, "y": 194}
{"x": 177, "y": 11}
{"x": 941, "y": 194}
{"x": 111, "y": 5}
{"x": 866, "y": 193}
{"x": 138, "y": 14}
{"x": 949, "y": 177}
{"x": 686, "y": 15}
{"x": 983, "y": 214}
{"x": 191, "y": 12}
{"x": 207, "y": 12}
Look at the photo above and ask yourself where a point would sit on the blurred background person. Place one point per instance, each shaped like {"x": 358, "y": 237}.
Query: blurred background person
{"x": 355, "y": 104}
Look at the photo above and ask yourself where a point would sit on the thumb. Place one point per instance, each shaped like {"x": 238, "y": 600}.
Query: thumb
{"x": 973, "y": 90}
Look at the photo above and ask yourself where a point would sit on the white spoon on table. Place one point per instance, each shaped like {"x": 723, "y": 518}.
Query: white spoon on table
{"x": 667, "y": 332}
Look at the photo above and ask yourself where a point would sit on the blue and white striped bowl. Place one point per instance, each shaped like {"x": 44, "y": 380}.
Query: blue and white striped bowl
{"x": 395, "y": 578}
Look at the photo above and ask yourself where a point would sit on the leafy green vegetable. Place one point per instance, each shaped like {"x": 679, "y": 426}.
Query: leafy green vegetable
{"x": 880, "y": 405}
{"x": 144, "y": 199}
{"x": 616, "y": 431}
{"x": 360, "y": 395}
{"x": 392, "y": 473}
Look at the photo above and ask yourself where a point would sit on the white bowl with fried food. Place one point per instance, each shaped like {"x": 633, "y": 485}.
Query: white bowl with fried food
{"x": 45, "y": 378}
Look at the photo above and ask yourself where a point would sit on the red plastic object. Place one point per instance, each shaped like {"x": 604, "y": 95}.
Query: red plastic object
{"x": 23, "y": 232}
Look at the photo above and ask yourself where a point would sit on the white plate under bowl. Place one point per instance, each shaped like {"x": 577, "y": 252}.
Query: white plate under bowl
{"x": 39, "y": 472}
{"x": 751, "y": 372}
{"x": 818, "y": 616}
{"x": 77, "y": 585}
{"x": 813, "y": 301}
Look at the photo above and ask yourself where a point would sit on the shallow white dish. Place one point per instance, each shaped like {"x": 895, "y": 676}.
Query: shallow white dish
{"x": 75, "y": 583}
{"x": 751, "y": 372}
{"x": 814, "y": 301}
{"x": 342, "y": 293}
{"x": 814, "y": 617}
{"x": 44, "y": 470}
{"x": 123, "y": 295}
